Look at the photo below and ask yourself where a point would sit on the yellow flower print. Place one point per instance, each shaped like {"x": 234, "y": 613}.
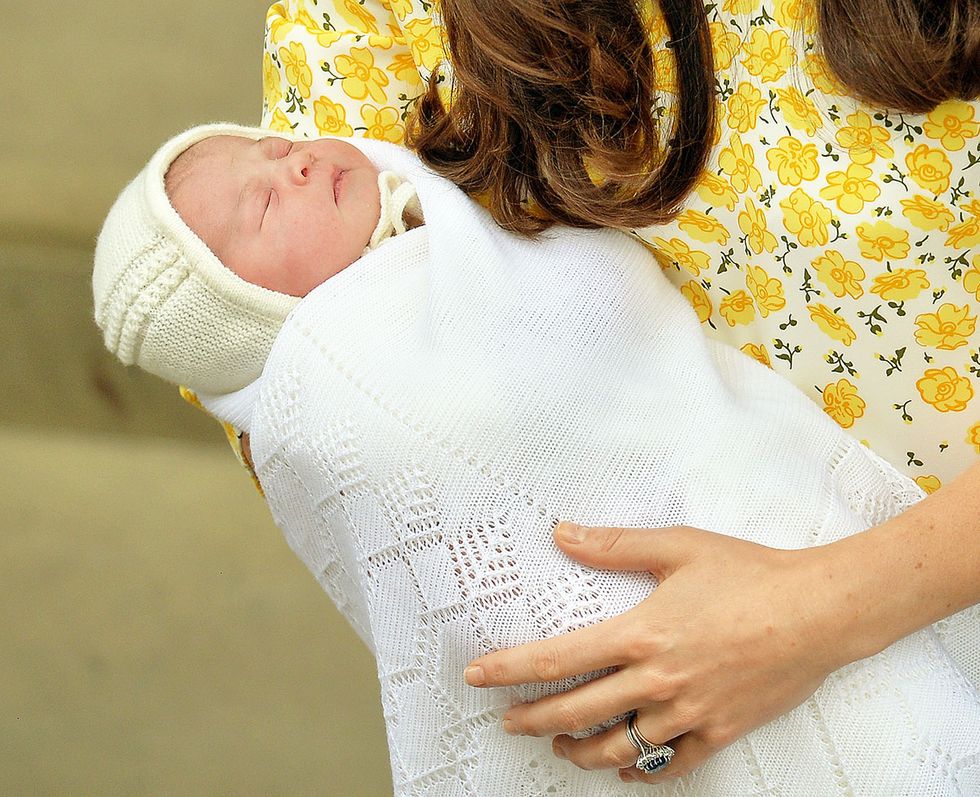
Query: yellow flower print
{"x": 757, "y": 352}
{"x": 744, "y": 107}
{"x": 768, "y": 55}
{"x": 703, "y": 227}
{"x": 973, "y": 436}
{"x": 768, "y": 291}
{"x": 279, "y": 122}
{"x": 851, "y": 189}
{"x": 927, "y": 214}
{"x": 426, "y": 42}
{"x": 717, "y": 192}
{"x": 653, "y": 21}
{"x": 360, "y": 76}
{"x": 971, "y": 278}
{"x": 278, "y": 22}
{"x": 945, "y": 389}
{"x": 948, "y": 328}
{"x": 737, "y": 160}
{"x": 798, "y": 110}
{"x": 929, "y": 167}
{"x": 901, "y": 284}
{"x": 298, "y": 72}
{"x": 677, "y": 251}
{"x": 271, "y": 90}
{"x": 330, "y": 118}
{"x": 358, "y": 17}
{"x": 831, "y": 324}
{"x": 806, "y": 218}
{"x": 382, "y": 41}
{"x": 752, "y": 222}
{"x": 952, "y": 124}
{"x": 881, "y": 240}
{"x": 823, "y": 79}
{"x": 863, "y": 139}
{"x": 403, "y": 67}
{"x": 929, "y": 484}
{"x": 794, "y": 15}
{"x": 842, "y": 402}
{"x": 967, "y": 233}
{"x": 840, "y": 275}
{"x": 383, "y": 124}
{"x": 698, "y": 297}
{"x": 740, "y": 6}
{"x": 793, "y": 161}
{"x": 737, "y": 308}
{"x": 305, "y": 19}
{"x": 724, "y": 44}
{"x": 665, "y": 68}
{"x": 400, "y": 8}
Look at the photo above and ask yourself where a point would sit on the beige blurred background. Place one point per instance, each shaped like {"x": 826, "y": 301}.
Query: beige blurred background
{"x": 156, "y": 634}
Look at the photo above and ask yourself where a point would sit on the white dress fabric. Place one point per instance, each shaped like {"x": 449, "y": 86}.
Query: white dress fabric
{"x": 428, "y": 414}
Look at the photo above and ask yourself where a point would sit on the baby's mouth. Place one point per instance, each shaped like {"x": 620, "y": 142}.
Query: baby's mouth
{"x": 336, "y": 184}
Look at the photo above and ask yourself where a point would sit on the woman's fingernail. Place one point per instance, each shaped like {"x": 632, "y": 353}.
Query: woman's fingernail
{"x": 474, "y": 675}
{"x": 510, "y": 727}
{"x": 571, "y": 532}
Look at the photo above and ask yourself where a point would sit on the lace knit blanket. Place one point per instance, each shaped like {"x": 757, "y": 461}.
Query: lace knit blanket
{"x": 426, "y": 417}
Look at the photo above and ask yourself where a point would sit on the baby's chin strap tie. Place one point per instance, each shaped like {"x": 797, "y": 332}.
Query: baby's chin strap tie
{"x": 400, "y": 209}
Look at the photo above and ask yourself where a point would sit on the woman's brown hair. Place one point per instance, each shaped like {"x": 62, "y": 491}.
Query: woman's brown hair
{"x": 909, "y": 55}
{"x": 554, "y": 114}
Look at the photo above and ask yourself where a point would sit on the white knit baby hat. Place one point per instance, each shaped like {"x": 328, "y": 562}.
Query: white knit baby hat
{"x": 165, "y": 302}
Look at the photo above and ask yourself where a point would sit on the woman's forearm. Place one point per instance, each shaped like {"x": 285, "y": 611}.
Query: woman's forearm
{"x": 911, "y": 571}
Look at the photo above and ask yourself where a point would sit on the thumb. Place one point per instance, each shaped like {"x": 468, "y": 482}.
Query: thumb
{"x": 658, "y": 551}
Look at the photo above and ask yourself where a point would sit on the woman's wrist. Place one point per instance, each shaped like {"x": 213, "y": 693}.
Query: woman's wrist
{"x": 836, "y": 602}
{"x": 863, "y": 615}
{"x": 896, "y": 578}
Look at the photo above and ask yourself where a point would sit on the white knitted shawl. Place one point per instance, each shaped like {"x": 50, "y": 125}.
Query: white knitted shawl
{"x": 428, "y": 414}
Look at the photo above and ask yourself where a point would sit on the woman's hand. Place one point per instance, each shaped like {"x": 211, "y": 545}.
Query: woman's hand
{"x": 735, "y": 635}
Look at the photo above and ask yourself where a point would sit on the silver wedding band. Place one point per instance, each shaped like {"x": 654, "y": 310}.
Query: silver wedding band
{"x": 652, "y": 757}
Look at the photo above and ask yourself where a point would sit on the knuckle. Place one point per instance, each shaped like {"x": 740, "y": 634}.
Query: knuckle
{"x": 546, "y": 665}
{"x": 715, "y": 737}
{"x": 608, "y": 538}
{"x": 660, "y": 686}
{"x": 656, "y": 690}
{"x": 641, "y": 647}
{"x": 611, "y": 758}
{"x": 567, "y": 717}
{"x": 686, "y": 714}
{"x": 495, "y": 672}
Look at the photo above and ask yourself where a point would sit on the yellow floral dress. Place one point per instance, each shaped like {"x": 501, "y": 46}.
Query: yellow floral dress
{"x": 836, "y": 243}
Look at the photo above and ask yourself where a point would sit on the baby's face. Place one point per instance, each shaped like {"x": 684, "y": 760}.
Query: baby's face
{"x": 282, "y": 214}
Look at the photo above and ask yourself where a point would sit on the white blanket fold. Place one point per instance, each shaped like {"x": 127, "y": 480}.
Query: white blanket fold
{"x": 428, "y": 414}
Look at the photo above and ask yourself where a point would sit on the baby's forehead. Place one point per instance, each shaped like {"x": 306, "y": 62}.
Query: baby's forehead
{"x": 201, "y": 156}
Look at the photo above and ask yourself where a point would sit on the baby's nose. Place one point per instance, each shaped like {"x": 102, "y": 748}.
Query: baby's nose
{"x": 298, "y": 165}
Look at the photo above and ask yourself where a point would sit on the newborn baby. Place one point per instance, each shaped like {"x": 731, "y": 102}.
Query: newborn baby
{"x": 425, "y": 415}
{"x": 205, "y": 253}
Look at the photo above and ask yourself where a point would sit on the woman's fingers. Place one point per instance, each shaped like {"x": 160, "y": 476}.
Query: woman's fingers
{"x": 658, "y": 551}
{"x": 612, "y": 749}
{"x": 575, "y": 653}
{"x": 587, "y": 705}
{"x": 608, "y": 750}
